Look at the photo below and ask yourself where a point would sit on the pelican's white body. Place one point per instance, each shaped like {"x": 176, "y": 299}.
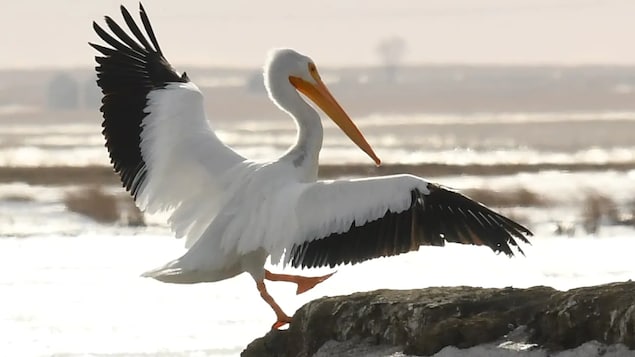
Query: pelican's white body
{"x": 234, "y": 212}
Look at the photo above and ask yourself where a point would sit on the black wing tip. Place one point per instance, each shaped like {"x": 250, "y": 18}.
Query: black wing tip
{"x": 124, "y": 12}
{"x": 521, "y": 229}
{"x": 128, "y": 69}
{"x": 437, "y": 204}
{"x": 96, "y": 27}
{"x": 101, "y": 49}
{"x": 149, "y": 30}
{"x": 498, "y": 232}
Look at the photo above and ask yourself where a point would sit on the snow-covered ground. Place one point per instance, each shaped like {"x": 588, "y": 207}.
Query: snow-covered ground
{"x": 483, "y": 138}
{"x": 31, "y": 210}
{"x": 504, "y": 349}
{"x": 82, "y": 295}
{"x": 589, "y": 349}
{"x": 71, "y": 287}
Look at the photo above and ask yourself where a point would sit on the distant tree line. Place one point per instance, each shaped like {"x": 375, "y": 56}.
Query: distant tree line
{"x": 65, "y": 92}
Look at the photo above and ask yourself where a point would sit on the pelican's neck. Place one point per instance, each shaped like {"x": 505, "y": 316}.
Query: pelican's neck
{"x": 305, "y": 153}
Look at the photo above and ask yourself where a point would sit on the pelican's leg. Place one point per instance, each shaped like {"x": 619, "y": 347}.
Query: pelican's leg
{"x": 283, "y": 318}
{"x": 305, "y": 283}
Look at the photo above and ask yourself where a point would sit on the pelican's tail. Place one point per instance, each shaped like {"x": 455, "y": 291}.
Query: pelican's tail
{"x": 171, "y": 272}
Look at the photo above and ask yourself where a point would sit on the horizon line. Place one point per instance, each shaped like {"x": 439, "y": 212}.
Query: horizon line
{"x": 181, "y": 67}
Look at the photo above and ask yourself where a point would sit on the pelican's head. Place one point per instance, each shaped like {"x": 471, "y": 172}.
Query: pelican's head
{"x": 301, "y": 72}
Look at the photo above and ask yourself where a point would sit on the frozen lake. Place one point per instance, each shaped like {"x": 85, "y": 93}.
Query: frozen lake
{"x": 82, "y": 295}
{"x": 483, "y": 138}
{"x": 72, "y": 287}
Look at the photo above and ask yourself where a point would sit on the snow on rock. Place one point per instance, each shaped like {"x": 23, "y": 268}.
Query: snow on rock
{"x": 448, "y": 321}
{"x": 588, "y": 349}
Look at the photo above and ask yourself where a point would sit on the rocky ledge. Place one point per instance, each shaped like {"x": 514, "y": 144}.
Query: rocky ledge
{"x": 422, "y": 322}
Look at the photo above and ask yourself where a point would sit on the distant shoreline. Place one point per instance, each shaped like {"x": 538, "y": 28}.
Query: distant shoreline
{"x": 238, "y": 94}
{"x": 104, "y": 175}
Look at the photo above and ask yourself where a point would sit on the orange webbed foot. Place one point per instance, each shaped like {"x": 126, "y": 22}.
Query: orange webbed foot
{"x": 282, "y": 320}
{"x": 307, "y": 283}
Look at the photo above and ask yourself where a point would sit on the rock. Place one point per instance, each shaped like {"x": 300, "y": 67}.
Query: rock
{"x": 422, "y": 322}
{"x": 605, "y": 313}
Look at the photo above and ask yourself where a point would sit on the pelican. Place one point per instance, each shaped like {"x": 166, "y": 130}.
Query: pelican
{"x": 234, "y": 213}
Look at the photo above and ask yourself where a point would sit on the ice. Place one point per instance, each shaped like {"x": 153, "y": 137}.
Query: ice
{"x": 83, "y": 294}
{"x": 589, "y": 349}
{"x": 71, "y": 286}
{"x": 460, "y": 139}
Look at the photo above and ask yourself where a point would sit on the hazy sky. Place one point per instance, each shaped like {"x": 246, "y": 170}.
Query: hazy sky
{"x": 334, "y": 32}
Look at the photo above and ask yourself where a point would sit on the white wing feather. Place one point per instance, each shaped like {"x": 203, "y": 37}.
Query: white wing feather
{"x": 298, "y": 212}
{"x": 268, "y": 208}
{"x": 157, "y": 134}
{"x": 185, "y": 160}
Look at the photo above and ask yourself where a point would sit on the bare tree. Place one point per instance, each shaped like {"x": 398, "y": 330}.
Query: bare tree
{"x": 391, "y": 51}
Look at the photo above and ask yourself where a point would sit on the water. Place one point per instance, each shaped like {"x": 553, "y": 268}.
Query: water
{"x": 71, "y": 287}
{"x": 487, "y": 138}
{"x": 82, "y": 295}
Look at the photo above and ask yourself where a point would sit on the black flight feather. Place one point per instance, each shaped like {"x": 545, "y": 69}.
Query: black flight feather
{"x": 127, "y": 71}
{"x": 433, "y": 218}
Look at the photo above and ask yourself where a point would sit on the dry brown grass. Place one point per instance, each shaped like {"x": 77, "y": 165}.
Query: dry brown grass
{"x": 103, "y": 175}
{"x": 94, "y": 203}
{"x": 512, "y": 214}
{"x": 435, "y": 169}
{"x": 519, "y": 197}
{"x": 131, "y": 215}
{"x": 104, "y": 207}
{"x": 596, "y": 209}
{"x": 59, "y": 175}
{"x": 16, "y": 197}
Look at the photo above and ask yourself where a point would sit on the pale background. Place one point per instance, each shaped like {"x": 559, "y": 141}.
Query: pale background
{"x": 238, "y": 33}
{"x": 527, "y": 106}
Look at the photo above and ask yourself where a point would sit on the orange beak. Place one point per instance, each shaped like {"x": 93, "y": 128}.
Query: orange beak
{"x": 321, "y": 96}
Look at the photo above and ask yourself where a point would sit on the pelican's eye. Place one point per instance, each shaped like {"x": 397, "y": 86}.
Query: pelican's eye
{"x": 313, "y": 71}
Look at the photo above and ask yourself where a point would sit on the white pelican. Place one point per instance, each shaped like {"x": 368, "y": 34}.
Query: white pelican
{"x": 234, "y": 212}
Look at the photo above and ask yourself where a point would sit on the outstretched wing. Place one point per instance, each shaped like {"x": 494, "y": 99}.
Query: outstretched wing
{"x": 351, "y": 221}
{"x": 159, "y": 139}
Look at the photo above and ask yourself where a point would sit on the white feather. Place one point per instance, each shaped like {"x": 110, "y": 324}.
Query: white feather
{"x": 234, "y": 212}
{"x": 327, "y": 207}
{"x": 272, "y": 211}
{"x": 186, "y": 162}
